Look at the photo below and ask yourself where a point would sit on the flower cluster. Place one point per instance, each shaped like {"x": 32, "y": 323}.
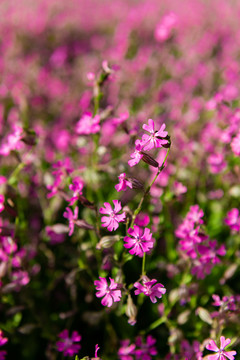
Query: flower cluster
{"x": 139, "y": 350}
{"x": 67, "y": 344}
{"x": 196, "y": 245}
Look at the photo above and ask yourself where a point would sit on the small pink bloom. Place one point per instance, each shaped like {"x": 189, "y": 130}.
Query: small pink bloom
{"x": 220, "y": 353}
{"x": 235, "y": 144}
{"x": 2, "y": 199}
{"x": 88, "y": 124}
{"x": 127, "y": 350}
{"x": 3, "y": 340}
{"x": 76, "y": 187}
{"x": 137, "y": 154}
{"x": 68, "y": 214}
{"x": 66, "y": 344}
{"x": 216, "y": 163}
{"x": 147, "y": 350}
{"x": 155, "y": 139}
{"x": 179, "y": 188}
{"x": 149, "y": 289}
{"x": 164, "y": 29}
{"x": 140, "y": 242}
{"x": 233, "y": 220}
{"x": 109, "y": 293}
{"x": 123, "y": 183}
{"x": 142, "y": 219}
{"x": 111, "y": 222}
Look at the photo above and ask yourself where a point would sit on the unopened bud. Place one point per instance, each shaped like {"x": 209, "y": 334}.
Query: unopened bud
{"x": 83, "y": 225}
{"x": 149, "y": 160}
{"x": 131, "y": 311}
{"x": 85, "y": 202}
{"x": 136, "y": 184}
{"x": 107, "y": 242}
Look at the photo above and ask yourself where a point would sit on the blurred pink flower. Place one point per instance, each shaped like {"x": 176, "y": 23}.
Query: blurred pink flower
{"x": 66, "y": 344}
{"x": 155, "y": 139}
{"x": 123, "y": 183}
{"x": 233, "y": 220}
{"x": 71, "y": 216}
{"x": 88, "y": 124}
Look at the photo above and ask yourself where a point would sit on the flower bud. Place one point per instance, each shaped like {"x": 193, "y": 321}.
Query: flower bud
{"x": 149, "y": 160}
{"x": 136, "y": 184}
{"x": 107, "y": 242}
{"x": 131, "y": 311}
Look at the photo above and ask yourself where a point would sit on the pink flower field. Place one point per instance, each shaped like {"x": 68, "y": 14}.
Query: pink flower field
{"x": 120, "y": 180}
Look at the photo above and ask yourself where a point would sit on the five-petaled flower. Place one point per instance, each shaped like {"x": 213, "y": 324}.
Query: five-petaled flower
{"x": 149, "y": 289}
{"x": 66, "y": 344}
{"x": 220, "y": 353}
{"x": 156, "y": 138}
{"x": 72, "y": 217}
{"x": 123, "y": 183}
{"x": 140, "y": 242}
{"x": 109, "y": 293}
{"x": 111, "y": 221}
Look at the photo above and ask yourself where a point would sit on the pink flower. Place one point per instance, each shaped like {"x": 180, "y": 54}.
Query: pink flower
{"x": 66, "y": 344}
{"x": 126, "y": 351}
{"x": 140, "y": 242}
{"x": 110, "y": 293}
{"x": 68, "y": 214}
{"x": 123, "y": 183}
{"x": 216, "y": 163}
{"x": 179, "y": 188}
{"x": 145, "y": 351}
{"x": 149, "y": 289}
{"x": 137, "y": 154}
{"x": 142, "y": 219}
{"x": 88, "y": 124}
{"x": 221, "y": 354}
{"x": 155, "y": 139}
{"x": 164, "y": 28}
{"x": 3, "y": 353}
{"x": 3, "y": 340}
{"x": 235, "y": 144}
{"x": 112, "y": 221}
{"x": 233, "y": 220}
{"x": 2, "y": 199}
{"x": 76, "y": 187}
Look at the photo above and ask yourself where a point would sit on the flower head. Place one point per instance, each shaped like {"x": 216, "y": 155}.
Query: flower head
{"x": 111, "y": 222}
{"x": 88, "y": 124}
{"x": 149, "y": 289}
{"x": 220, "y": 353}
{"x": 109, "y": 293}
{"x": 156, "y": 138}
{"x": 123, "y": 183}
{"x": 233, "y": 220}
{"x": 66, "y": 344}
{"x": 71, "y": 216}
{"x": 137, "y": 154}
{"x": 139, "y": 242}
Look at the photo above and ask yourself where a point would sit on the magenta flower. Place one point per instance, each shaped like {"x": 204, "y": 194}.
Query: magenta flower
{"x": 235, "y": 144}
{"x": 76, "y": 187}
{"x": 126, "y": 351}
{"x": 233, "y": 220}
{"x": 68, "y": 214}
{"x": 123, "y": 183}
{"x": 155, "y": 139}
{"x": 109, "y": 293}
{"x": 145, "y": 351}
{"x": 88, "y": 124}
{"x": 111, "y": 222}
{"x": 2, "y": 199}
{"x": 66, "y": 344}
{"x": 216, "y": 163}
{"x": 220, "y": 353}
{"x": 149, "y": 289}
{"x": 137, "y": 154}
{"x": 140, "y": 242}
{"x": 3, "y": 353}
{"x": 3, "y": 340}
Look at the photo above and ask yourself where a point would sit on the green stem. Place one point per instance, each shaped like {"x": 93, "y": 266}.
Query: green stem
{"x": 143, "y": 264}
{"x": 160, "y": 169}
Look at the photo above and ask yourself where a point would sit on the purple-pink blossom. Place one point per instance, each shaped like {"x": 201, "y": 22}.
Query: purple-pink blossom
{"x": 110, "y": 293}
{"x": 146, "y": 350}
{"x": 156, "y": 138}
{"x": 139, "y": 242}
{"x": 221, "y": 354}
{"x": 72, "y": 217}
{"x": 137, "y": 154}
{"x": 88, "y": 124}
{"x": 123, "y": 183}
{"x": 233, "y": 220}
{"x": 235, "y": 144}
{"x": 150, "y": 288}
{"x": 67, "y": 344}
{"x": 111, "y": 222}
